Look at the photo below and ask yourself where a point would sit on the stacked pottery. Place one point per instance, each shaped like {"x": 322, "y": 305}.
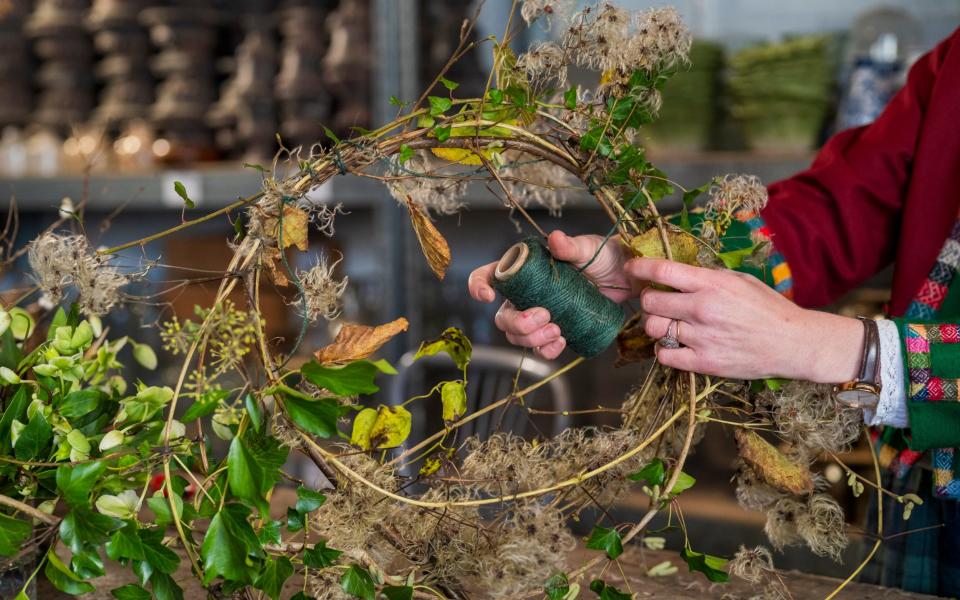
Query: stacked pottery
{"x": 185, "y": 31}
{"x": 245, "y": 115}
{"x": 65, "y": 78}
{"x": 15, "y": 84}
{"x": 304, "y": 103}
{"x": 347, "y": 64}
{"x": 128, "y": 85}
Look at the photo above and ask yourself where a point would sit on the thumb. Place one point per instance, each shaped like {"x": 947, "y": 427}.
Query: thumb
{"x": 577, "y": 250}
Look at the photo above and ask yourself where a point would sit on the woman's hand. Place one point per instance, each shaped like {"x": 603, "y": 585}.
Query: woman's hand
{"x": 732, "y": 325}
{"x": 532, "y": 328}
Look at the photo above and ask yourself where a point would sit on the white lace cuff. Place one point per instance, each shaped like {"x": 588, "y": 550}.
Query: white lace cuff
{"x": 892, "y": 408}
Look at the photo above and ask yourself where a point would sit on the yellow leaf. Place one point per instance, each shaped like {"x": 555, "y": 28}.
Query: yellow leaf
{"x": 454, "y": 399}
{"x": 355, "y": 341}
{"x": 462, "y": 156}
{"x": 385, "y": 427}
{"x": 362, "y": 424}
{"x": 430, "y": 466}
{"x": 771, "y": 465}
{"x": 294, "y": 228}
{"x": 650, "y": 244}
{"x": 433, "y": 244}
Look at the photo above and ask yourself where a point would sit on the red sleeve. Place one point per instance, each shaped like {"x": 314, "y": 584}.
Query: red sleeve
{"x": 837, "y": 222}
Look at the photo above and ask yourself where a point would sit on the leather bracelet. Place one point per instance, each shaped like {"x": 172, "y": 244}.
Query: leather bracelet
{"x": 870, "y": 361}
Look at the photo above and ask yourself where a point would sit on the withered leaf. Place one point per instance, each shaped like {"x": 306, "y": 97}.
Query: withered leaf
{"x": 433, "y": 244}
{"x": 355, "y": 341}
{"x": 633, "y": 344}
{"x": 275, "y": 268}
{"x": 771, "y": 465}
{"x": 683, "y": 246}
{"x": 295, "y": 223}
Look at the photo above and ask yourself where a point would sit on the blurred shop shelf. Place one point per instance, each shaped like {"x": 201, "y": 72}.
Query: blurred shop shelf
{"x": 215, "y": 187}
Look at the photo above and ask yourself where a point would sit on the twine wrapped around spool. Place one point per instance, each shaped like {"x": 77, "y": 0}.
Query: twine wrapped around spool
{"x": 528, "y": 276}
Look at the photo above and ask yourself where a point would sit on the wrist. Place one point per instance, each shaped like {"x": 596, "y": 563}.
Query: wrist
{"x": 831, "y": 347}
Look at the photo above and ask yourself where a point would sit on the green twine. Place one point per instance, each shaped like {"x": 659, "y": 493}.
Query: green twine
{"x": 588, "y": 320}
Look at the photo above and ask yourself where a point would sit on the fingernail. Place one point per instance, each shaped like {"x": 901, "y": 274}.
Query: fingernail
{"x": 541, "y": 317}
{"x": 488, "y": 295}
{"x": 552, "y": 332}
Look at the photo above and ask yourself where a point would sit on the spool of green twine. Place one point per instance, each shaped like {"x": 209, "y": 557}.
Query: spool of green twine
{"x": 529, "y": 276}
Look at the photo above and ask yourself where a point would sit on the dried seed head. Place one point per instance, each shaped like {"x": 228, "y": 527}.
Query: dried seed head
{"x": 427, "y": 182}
{"x": 544, "y": 64}
{"x": 59, "y": 261}
{"x": 752, "y": 564}
{"x": 321, "y": 291}
{"x": 549, "y": 10}
{"x": 735, "y": 193}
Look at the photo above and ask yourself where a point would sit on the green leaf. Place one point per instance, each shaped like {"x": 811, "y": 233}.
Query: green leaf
{"x": 125, "y": 543}
{"x": 733, "y": 259}
{"x": 87, "y": 563}
{"x": 711, "y": 566}
{"x": 145, "y": 356}
{"x": 63, "y": 578}
{"x": 275, "y": 572}
{"x": 131, "y": 591}
{"x": 450, "y": 85}
{"x": 608, "y": 540}
{"x": 34, "y": 438}
{"x": 608, "y": 592}
{"x": 16, "y": 409}
{"x": 295, "y": 520}
{"x": 496, "y": 97}
{"x": 439, "y": 105}
{"x": 357, "y": 582}
{"x": 84, "y": 526}
{"x": 570, "y": 97}
{"x": 452, "y": 341}
{"x": 253, "y": 466}
{"x": 654, "y": 473}
{"x": 397, "y": 592}
{"x": 397, "y": 101}
{"x": 309, "y": 500}
{"x": 424, "y": 121}
{"x": 229, "y": 541}
{"x": 684, "y": 482}
{"x": 270, "y": 533}
{"x": 13, "y": 532}
{"x": 158, "y": 556}
{"x": 164, "y": 587}
{"x": 318, "y": 417}
{"x": 442, "y": 133}
{"x": 254, "y": 410}
{"x": 255, "y": 167}
{"x": 181, "y": 191}
{"x": 774, "y": 384}
{"x": 205, "y": 405}
{"x": 352, "y": 379}
{"x": 406, "y": 152}
{"x": 160, "y": 505}
{"x": 75, "y": 482}
{"x": 558, "y": 586}
{"x": 80, "y": 403}
{"x": 453, "y": 396}
{"x": 330, "y": 134}
{"x": 21, "y": 323}
{"x": 320, "y": 557}
{"x": 656, "y": 184}
{"x": 688, "y": 199}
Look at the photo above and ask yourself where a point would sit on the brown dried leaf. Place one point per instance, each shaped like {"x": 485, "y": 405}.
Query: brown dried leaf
{"x": 355, "y": 341}
{"x": 295, "y": 223}
{"x": 771, "y": 465}
{"x": 273, "y": 261}
{"x": 433, "y": 244}
{"x": 633, "y": 344}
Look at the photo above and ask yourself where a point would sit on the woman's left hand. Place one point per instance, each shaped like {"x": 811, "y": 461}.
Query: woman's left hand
{"x": 732, "y": 325}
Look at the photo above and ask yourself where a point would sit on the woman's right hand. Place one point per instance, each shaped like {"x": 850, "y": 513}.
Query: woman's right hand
{"x": 532, "y": 328}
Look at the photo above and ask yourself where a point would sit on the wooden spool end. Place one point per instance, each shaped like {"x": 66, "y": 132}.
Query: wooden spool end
{"x": 511, "y": 261}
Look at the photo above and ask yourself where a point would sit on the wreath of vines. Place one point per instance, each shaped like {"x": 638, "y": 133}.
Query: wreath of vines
{"x": 495, "y": 511}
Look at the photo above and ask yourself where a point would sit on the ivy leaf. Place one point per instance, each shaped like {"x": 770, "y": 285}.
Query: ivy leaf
{"x": 87, "y": 563}
{"x": 181, "y": 191}
{"x": 558, "y": 586}
{"x": 270, "y": 533}
{"x": 160, "y": 558}
{"x": 439, "y": 105}
{"x": 295, "y": 520}
{"x": 320, "y": 557}
{"x": 13, "y": 532}
{"x": 229, "y": 540}
{"x": 385, "y": 427}
{"x": 80, "y": 403}
{"x": 496, "y": 97}
{"x": 131, "y": 591}
{"x": 357, "y": 582}
{"x": 452, "y": 341}
{"x": 352, "y": 379}
{"x": 253, "y": 409}
{"x": 75, "y": 482}
{"x": 450, "y": 85}
{"x": 125, "y": 543}
{"x": 84, "y": 526}
{"x": 711, "y": 566}
{"x": 253, "y": 466}
{"x": 608, "y": 540}
{"x": 684, "y": 482}
{"x": 396, "y": 101}
{"x": 164, "y": 587}
{"x": 654, "y": 473}
{"x": 309, "y": 500}
{"x": 656, "y": 184}
{"x": 406, "y": 153}
{"x": 442, "y": 133}
{"x": 63, "y": 578}
{"x": 15, "y": 410}
{"x": 318, "y": 417}
{"x": 274, "y": 573}
{"x": 733, "y": 259}
{"x": 205, "y": 405}
{"x": 608, "y": 592}
{"x": 570, "y": 98}
{"x": 34, "y": 438}
{"x": 688, "y": 199}
{"x": 453, "y": 396}
{"x": 397, "y": 592}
